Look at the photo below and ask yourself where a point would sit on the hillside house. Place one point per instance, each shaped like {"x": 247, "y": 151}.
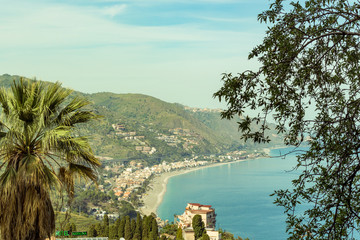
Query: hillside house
{"x": 208, "y": 216}
{"x": 118, "y": 126}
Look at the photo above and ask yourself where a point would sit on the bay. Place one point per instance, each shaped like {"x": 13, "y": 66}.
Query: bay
{"x": 239, "y": 192}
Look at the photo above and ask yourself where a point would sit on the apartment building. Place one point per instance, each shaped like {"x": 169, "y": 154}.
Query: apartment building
{"x": 208, "y": 216}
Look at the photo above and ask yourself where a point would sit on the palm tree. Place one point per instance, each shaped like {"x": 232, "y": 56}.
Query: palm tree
{"x": 39, "y": 151}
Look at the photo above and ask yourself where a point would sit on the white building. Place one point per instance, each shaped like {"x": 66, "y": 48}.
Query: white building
{"x": 208, "y": 216}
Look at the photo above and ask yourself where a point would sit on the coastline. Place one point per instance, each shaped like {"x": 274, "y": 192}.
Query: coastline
{"x": 153, "y": 197}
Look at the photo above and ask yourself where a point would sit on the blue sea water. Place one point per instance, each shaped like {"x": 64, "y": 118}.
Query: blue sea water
{"x": 239, "y": 192}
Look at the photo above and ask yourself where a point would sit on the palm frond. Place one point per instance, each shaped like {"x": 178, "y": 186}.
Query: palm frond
{"x": 38, "y": 173}
{"x": 4, "y": 101}
{"x": 81, "y": 117}
{"x": 36, "y": 132}
{"x": 76, "y": 104}
{"x": 82, "y": 171}
{"x": 66, "y": 178}
{"x": 76, "y": 150}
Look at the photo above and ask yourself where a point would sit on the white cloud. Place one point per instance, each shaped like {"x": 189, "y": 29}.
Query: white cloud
{"x": 64, "y": 26}
{"x": 83, "y": 46}
{"x": 114, "y": 10}
{"x": 229, "y": 20}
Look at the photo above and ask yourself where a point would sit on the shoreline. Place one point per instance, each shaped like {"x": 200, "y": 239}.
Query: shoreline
{"x": 153, "y": 197}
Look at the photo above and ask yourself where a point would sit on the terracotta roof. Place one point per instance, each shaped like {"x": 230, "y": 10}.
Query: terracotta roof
{"x": 201, "y": 211}
{"x": 199, "y": 205}
{"x": 195, "y": 204}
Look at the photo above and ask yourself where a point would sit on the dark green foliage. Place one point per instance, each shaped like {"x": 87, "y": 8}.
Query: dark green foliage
{"x": 91, "y": 195}
{"x": 138, "y": 229}
{"x": 150, "y": 228}
{"x": 117, "y": 223}
{"x": 179, "y": 235}
{"x": 106, "y": 220}
{"x": 127, "y": 209}
{"x": 106, "y": 225}
{"x": 226, "y": 235}
{"x": 92, "y": 231}
{"x": 141, "y": 113}
{"x": 309, "y": 82}
{"x": 170, "y": 229}
{"x": 154, "y": 230}
{"x": 106, "y": 231}
{"x": 71, "y": 227}
{"x": 113, "y": 232}
{"x": 99, "y": 230}
{"x": 198, "y": 226}
{"x": 205, "y": 237}
{"x": 127, "y": 232}
{"x": 38, "y": 152}
{"x": 146, "y": 227}
{"x": 121, "y": 229}
{"x": 133, "y": 226}
{"x": 239, "y": 238}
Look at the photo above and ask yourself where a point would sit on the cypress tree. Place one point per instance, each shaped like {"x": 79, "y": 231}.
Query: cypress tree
{"x": 149, "y": 224}
{"x": 154, "y": 230}
{"x": 117, "y": 222}
{"x": 139, "y": 221}
{"x": 113, "y": 232}
{"x": 106, "y": 231}
{"x": 99, "y": 230}
{"x": 138, "y": 229}
{"x": 121, "y": 229}
{"x": 179, "y": 235}
{"x": 106, "y": 226}
{"x": 198, "y": 226}
{"x": 133, "y": 227}
{"x": 154, "y": 227}
{"x": 106, "y": 220}
{"x": 205, "y": 237}
{"x": 145, "y": 229}
{"x": 127, "y": 233}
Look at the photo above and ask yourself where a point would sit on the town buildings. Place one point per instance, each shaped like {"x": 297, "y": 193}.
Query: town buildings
{"x": 133, "y": 177}
{"x": 208, "y": 216}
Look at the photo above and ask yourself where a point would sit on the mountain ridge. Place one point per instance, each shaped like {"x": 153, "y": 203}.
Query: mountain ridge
{"x": 138, "y": 126}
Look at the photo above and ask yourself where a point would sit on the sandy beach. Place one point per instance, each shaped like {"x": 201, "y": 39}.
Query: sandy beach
{"x": 153, "y": 197}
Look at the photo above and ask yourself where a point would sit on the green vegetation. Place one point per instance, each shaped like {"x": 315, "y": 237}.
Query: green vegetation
{"x": 141, "y": 228}
{"x": 205, "y": 237}
{"x": 179, "y": 235}
{"x": 308, "y": 82}
{"x": 82, "y": 222}
{"x": 157, "y": 123}
{"x": 229, "y": 236}
{"x": 93, "y": 196}
{"x": 39, "y": 152}
{"x": 198, "y": 226}
{"x": 85, "y": 202}
{"x": 170, "y": 229}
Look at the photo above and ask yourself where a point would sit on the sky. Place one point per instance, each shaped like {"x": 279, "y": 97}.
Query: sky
{"x": 174, "y": 50}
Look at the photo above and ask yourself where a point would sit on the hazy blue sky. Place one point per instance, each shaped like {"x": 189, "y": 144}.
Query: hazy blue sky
{"x": 174, "y": 50}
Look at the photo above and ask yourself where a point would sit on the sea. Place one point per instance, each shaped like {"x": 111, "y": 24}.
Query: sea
{"x": 240, "y": 194}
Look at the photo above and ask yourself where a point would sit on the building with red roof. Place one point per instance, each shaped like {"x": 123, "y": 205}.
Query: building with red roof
{"x": 208, "y": 216}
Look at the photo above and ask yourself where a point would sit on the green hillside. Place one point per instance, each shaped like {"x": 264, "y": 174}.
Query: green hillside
{"x": 136, "y": 126}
